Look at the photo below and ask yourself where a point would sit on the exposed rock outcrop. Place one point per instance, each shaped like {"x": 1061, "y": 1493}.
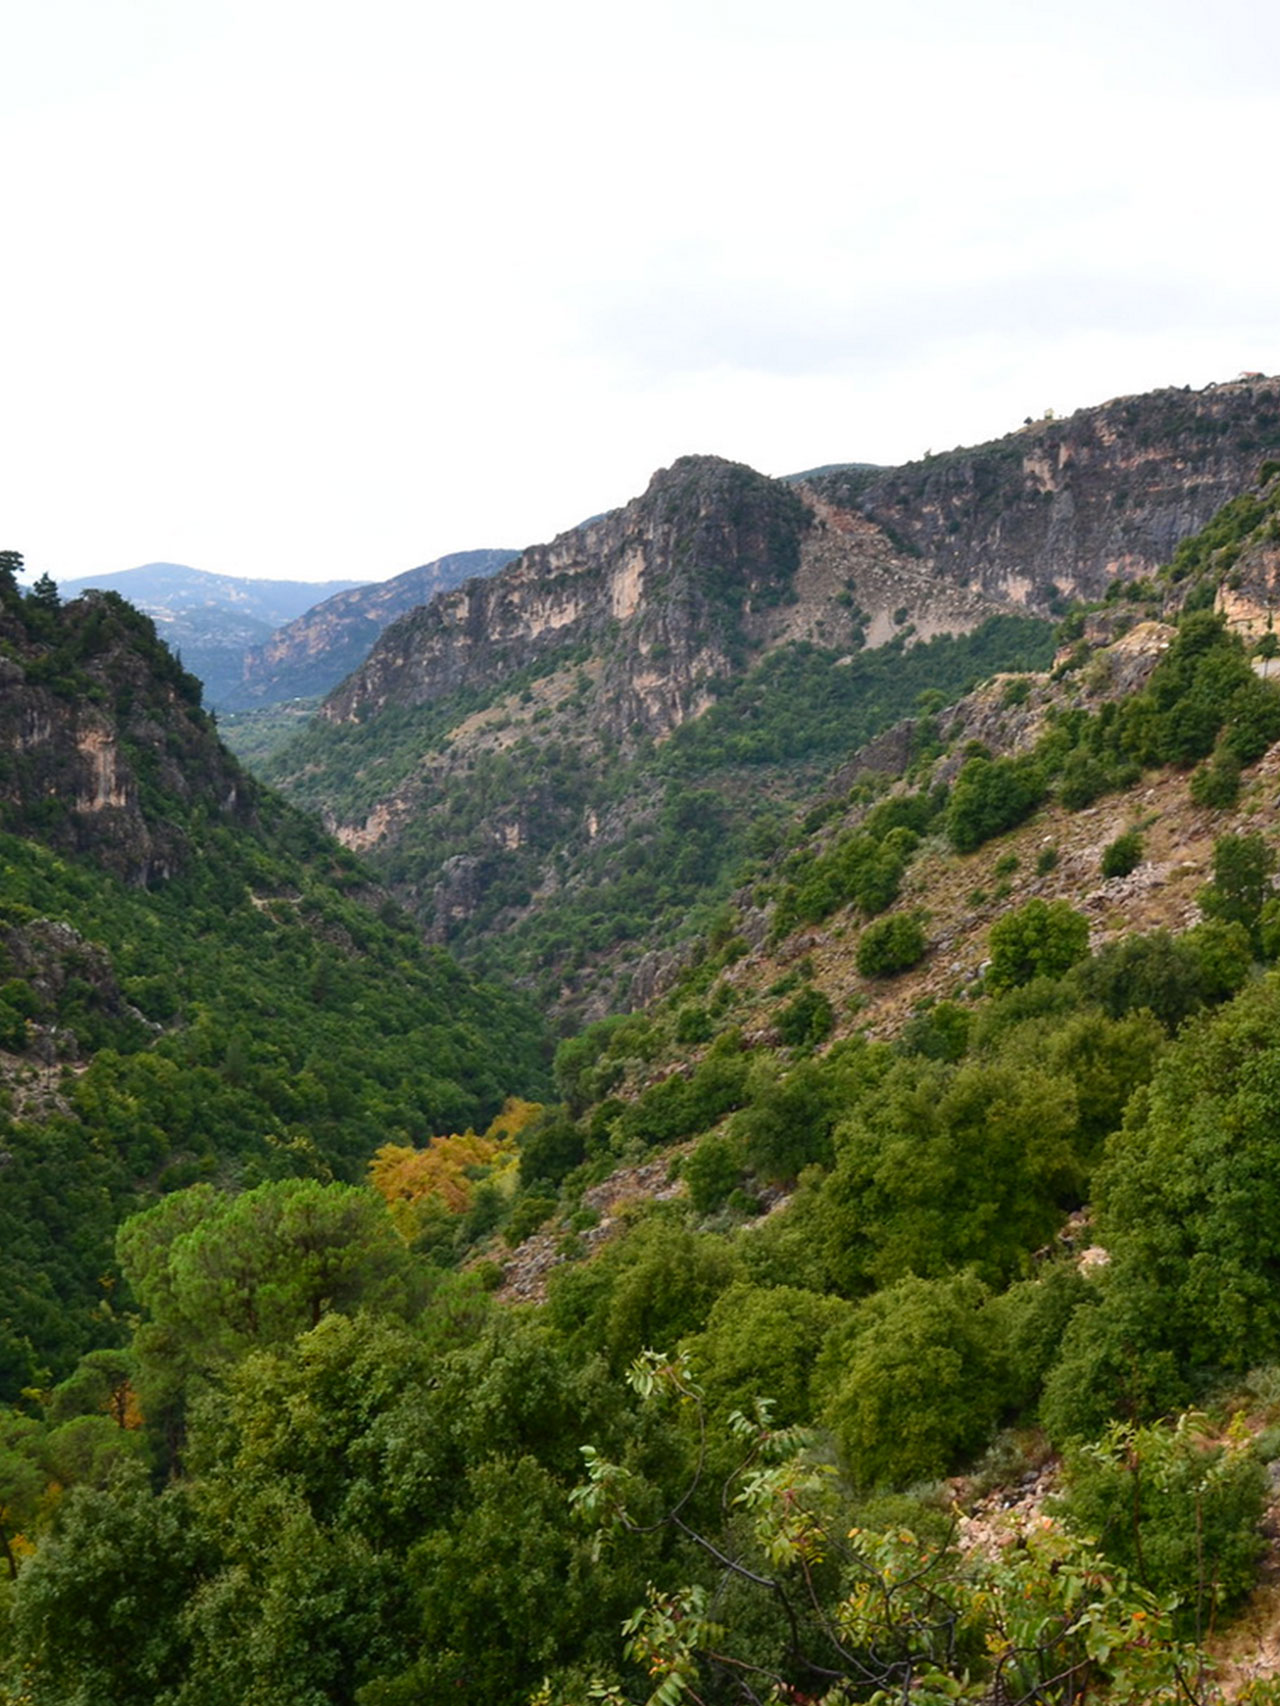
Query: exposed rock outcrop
{"x": 103, "y": 745}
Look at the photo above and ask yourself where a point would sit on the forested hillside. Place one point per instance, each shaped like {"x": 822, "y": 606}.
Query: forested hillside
{"x": 195, "y": 983}
{"x": 900, "y": 1308}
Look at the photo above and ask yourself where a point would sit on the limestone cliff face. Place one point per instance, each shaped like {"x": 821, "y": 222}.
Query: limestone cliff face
{"x": 495, "y": 756}
{"x": 670, "y": 591}
{"x": 103, "y": 747}
{"x": 1071, "y": 505}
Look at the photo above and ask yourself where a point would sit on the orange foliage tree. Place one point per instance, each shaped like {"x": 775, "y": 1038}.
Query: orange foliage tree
{"x": 447, "y": 1168}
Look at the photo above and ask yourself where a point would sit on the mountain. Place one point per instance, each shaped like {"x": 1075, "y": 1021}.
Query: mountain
{"x": 196, "y": 984}
{"x": 895, "y": 1300}
{"x": 210, "y": 620}
{"x": 557, "y": 767}
{"x": 312, "y": 653}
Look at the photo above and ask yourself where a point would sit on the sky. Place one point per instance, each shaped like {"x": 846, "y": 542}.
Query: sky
{"x": 301, "y": 289}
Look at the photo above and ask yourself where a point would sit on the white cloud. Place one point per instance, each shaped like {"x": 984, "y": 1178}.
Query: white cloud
{"x": 298, "y": 289}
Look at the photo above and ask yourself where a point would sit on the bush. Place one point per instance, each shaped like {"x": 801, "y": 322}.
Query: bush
{"x": 989, "y": 797}
{"x": 1223, "y": 954}
{"x": 806, "y": 1021}
{"x": 1040, "y": 939}
{"x": 550, "y": 1148}
{"x": 1123, "y": 855}
{"x": 693, "y": 1025}
{"x": 526, "y": 1217}
{"x": 1179, "y": 1513}
{"x": 711, "y": 1172}
{"x": 1157, "y": 971}
{"x": 916, "y": 1384}
{"x": 1216, "y": 785}
{"x": 1242, "y": 867}
{"x": 891, "y": 945}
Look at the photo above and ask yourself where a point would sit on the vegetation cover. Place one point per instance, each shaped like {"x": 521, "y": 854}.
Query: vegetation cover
{"x": 1029, "y": 1225}
{"x": 260, "y": 1013}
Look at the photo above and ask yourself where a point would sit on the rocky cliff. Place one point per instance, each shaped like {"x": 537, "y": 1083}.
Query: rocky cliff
{"x": 1064, "y": 507}
{"x": 552, "y": 765}
{"x": 103, "y": 746}
{"x": 714, "y": 562}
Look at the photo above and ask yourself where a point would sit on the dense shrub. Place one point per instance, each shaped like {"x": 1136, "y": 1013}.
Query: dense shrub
{"x": 1041, "y": 939}
{"x": 806, "y": 1021}
{"x": 891, "y": 945}
{"x": 991, "y": 796}
{"x": 1157, "y": 971}
{"x": 1122, "y": 855}
{"x": 915, "y": 1383}
{"x": 711, "y": 1172}
{"x": 1176, "y": 1509}
{"x": 1242, "y": 867}
{"x": 1189, "y": 1209}
{"x": 1216, "y": 785}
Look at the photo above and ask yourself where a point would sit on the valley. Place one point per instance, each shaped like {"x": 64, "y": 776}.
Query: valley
{"x": 851, "y": 1111}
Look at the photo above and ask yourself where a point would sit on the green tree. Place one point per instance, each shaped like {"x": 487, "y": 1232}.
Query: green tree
{"x": 1041, "y": 939}
{"x": 220, "y": 1275}
{"x": 1242, "y": 868}
{"x": 806, "y": 1021}
{"x": 989, "y": 797}
{"x": 96, "y": 1612}
{"x": 891, "y": 945}
{"x": 1178, "y": 1509}
{"x": 1157, "y": 971}
{"x": 10, "y": 569}
{"x": 22, "y": 1481}
{"x": 949, "y": 1166}
{"x": 1189, "y": 1209}
{"x": 1122, "y": 855}
{"x": 802, "y": 1605}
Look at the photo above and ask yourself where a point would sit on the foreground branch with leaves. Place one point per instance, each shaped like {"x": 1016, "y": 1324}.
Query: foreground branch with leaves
{"x": 862, "y": 1616}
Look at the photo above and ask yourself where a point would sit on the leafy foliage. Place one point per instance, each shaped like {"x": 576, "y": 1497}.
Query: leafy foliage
{"x": 1039, "y": 939}
{"x": 891, "y": 945}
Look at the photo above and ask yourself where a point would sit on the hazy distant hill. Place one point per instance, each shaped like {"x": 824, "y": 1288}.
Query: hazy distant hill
{"x": 323, "y": 644}
{"x": 210, "y": 620}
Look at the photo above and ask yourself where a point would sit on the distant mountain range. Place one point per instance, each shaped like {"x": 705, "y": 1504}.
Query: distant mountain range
{"x": 323, "y": 643}
{"x": 210, "y": 620}
{"x": 255, "y": 642}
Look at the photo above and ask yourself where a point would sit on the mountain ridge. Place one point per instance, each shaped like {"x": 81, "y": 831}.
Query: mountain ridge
{"x": 624, "y": 643}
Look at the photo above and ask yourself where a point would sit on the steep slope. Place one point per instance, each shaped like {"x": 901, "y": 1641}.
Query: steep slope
{"x": 514, "y": 755}
{"x": 103, "y": 745}
{"x": 210, "y": 620}
{"x": 311, "y": 654}
{"x": 194, "y": 981}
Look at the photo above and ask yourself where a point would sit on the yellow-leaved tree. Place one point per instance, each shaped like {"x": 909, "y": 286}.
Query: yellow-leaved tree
{"x": 414, "y": 1182}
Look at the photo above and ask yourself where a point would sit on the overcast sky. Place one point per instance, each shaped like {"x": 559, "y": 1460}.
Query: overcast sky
{"x": 306, "y": 289}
